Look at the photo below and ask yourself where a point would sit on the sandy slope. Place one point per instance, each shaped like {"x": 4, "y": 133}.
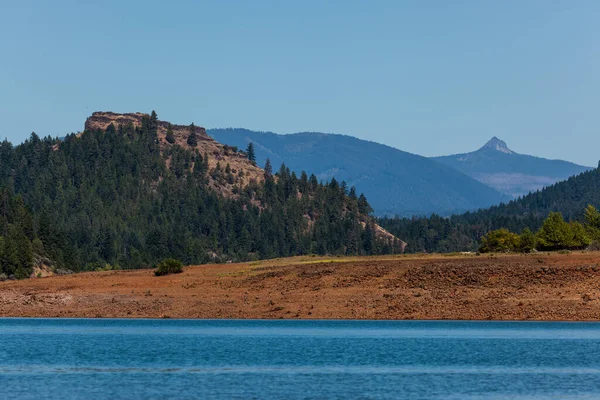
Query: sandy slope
{"x": 544, "y": 287}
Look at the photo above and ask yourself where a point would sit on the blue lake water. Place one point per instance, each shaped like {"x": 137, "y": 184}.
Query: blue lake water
{"x": 224, "y": 359}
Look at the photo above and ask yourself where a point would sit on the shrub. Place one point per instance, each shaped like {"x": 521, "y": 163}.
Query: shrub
{"x": 169, "y": 266}
{"x": 500, "y": 240}
{"x": 526, "y": 241}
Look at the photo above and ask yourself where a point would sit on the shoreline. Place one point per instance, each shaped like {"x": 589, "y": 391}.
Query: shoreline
{"x": 525, "y": 321}
{"x": 509, "y": 288}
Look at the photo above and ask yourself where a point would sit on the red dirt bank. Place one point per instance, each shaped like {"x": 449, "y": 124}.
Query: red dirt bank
{"x": 537, "y": 287}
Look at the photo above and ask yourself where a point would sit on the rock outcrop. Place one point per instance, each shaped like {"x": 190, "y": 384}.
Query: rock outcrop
{"x": 217, "y": 152}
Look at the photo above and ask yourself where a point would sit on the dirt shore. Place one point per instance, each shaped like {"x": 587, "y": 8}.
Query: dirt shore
{"x": 507, "y": 287}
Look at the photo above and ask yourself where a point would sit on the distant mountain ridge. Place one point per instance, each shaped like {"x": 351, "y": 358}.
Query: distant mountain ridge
{"x": 509, "y": 172}
{"x": 396, "y": 182}
{"x": 464, "y": 232}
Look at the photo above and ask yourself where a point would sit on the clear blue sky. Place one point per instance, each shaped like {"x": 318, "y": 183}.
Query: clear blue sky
{"x": 429, "y": 77}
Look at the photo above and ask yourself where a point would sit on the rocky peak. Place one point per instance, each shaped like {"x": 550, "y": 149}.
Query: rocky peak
{"x": 102, "y": 119}
{"x": 216, "y": 152}
{"x": 498, "y": 145}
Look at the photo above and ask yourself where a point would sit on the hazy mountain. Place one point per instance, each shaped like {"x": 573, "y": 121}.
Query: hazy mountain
{"x": 508, "y": 172}
{"x": 396, "y": 182}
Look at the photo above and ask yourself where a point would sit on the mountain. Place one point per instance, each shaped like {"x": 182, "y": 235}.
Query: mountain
{"x": 131, "y": 190}
{"x": 508, "y": 172}
{"x": 396, "y": 182}
{"x": 463, "y": 232}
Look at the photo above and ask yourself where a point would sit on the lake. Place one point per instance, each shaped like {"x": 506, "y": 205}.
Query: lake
{"x": 234, "y": 359}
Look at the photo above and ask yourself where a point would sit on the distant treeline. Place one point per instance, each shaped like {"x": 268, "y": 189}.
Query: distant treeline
{"x": 554, "y": 234}
{"x": 464, "y": 232}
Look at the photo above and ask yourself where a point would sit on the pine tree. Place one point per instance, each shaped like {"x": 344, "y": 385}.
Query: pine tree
{"x": 170, "y": 137}
{"x": 592, "y": 217}
{"x": 363, "y": 205}
{"x": 250, "y": 152}
{"x": 268, "y": 169}
{"x": 555, "y": 233}
{"x": 192, "y": 140}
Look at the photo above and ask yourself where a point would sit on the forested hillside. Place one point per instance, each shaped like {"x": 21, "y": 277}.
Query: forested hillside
{"x": 396, "y": 182}
{"x": 129, "y": 195}
{"x": 464, "y": 232}
{"x": 18, "y": 241}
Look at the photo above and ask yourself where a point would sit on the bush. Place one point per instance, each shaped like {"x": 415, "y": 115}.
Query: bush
{"x": 526, "y": 241}
{"x": 169, "y": 266}
{"x": 500, "y": 240}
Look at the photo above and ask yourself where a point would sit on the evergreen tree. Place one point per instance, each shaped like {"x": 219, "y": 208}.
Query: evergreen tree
{"x": 192, "y": 139}
{"x": 117, "y": 197}
{"x": 592, "y": 218}
{"x": 580, "y": 238}
{"x": 170, "y": 137}
{"x": 268, "y": 169}
{"x": 555, "y": 233}
{"x": 250, "y": 152}
{"x": 363, "y": 205}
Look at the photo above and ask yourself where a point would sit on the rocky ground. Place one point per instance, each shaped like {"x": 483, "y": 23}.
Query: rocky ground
{"x": 507, "y": 287}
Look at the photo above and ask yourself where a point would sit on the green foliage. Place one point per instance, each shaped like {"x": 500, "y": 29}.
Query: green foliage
{"x": 592, "y": 222}
{"x": 555, "y": 233}
{"x": 17, "y": 234}
{"x": 170, "y": 137}
{"x": 592, "y": 217}
{"x": 250, "y": 152}
{"x": 463, "y": 232}
{"x": 109, "y": 198}
{"x": 580, "y": 238}
{"x": 169, "y": 266}
{"x": 192, "y": 139}
{"x": 527, "y": 241}
{"x": 500, "y": 240}
{"x": 268, "y": 169}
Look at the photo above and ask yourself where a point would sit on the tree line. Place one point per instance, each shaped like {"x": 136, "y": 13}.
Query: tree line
{"x": 109, "y": 199}
{"x": 464, "y": 232}
{"x": 554, "y": 234}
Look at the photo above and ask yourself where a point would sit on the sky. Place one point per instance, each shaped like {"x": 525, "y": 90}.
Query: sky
{"x": 428, "y": 77}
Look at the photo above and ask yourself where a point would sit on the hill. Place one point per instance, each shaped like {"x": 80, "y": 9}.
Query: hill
{"x": 511, "y": 173}
{"x": 131, "y": 190}
{"x": 463, "y": 232}
{"x": 397, "y": 182}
